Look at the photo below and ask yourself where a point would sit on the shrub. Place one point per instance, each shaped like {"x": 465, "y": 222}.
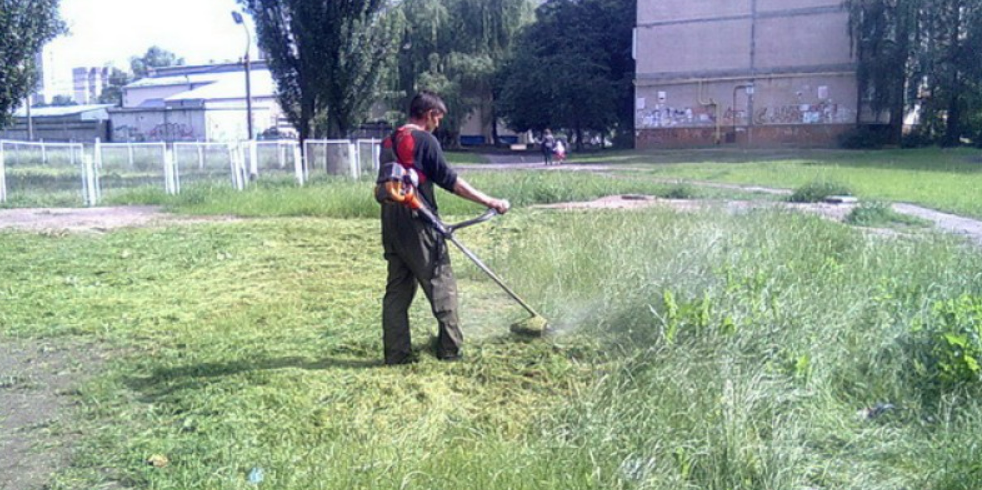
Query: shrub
{"x": 949, "y": 343}
{"x": 681, "y": 191}
{"x": 878, "y": 214}
{"x": 817, "y": 191}
{"x": 864, "y": 137}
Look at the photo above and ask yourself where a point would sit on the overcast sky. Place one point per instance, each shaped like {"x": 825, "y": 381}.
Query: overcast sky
{"x": 111, "y": 31}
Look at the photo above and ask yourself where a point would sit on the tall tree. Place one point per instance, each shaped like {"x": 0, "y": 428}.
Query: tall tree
{"x": 884, "y": 35}
{"x": 327, "y": 57}
{"x": 155, "y": 57}
{"x": 25, "y": 27}
{"x": 924, "y": 55}
{"x": 571, "y": 69}
{"x": 454, "y": 47}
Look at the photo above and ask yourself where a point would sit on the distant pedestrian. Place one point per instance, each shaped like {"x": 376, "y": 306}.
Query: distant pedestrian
{"x": 560, "y": 152}
{"x": 548, "y": 144}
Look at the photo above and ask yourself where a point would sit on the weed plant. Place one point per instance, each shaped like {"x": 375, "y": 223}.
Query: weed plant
{"x": 818, "y": 191}
{"x": 697, "y": 350}
{"x": 880, "y": 214}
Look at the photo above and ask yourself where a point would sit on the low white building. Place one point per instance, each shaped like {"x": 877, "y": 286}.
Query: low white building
{"x": 197, "y": 103}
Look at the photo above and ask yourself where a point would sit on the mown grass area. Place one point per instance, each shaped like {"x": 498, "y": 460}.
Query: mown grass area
{"x": 693, "y": 350}
{"x": 947, "y": 180}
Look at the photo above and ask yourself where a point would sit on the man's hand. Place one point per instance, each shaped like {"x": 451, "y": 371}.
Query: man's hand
{"x": 500, "y": 205}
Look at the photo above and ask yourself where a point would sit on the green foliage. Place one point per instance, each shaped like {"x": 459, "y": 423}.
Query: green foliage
{"x": 454, "y": 47}
{"x": 817, "y": 191}
{"x": 25, "y": 27}
{"x": 113, "y": 93}
{"x": 572, "y": 69}
{"x": 923, "y": 53}
{"x": 950, "y": 339}
{"x": 155, "y": 57}
{"x": 863, "y": 138}
{"x": 880, "y": 214}
{"x": 327, "y": 58}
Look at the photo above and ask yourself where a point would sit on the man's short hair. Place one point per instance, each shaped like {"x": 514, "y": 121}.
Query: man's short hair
{"x": 426, "y": 101}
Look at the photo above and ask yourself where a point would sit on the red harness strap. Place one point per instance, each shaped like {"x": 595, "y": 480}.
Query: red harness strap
{"x": 404, "y": 148}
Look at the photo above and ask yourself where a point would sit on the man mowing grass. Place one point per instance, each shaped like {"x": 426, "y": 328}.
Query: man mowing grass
{"x": 416, "y": 253}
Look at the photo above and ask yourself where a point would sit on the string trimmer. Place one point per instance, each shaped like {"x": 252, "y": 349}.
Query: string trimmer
{"x": 397, "y": 185}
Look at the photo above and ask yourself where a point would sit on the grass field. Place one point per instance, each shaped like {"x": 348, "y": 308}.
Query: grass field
{"x": 948, "y": 180}
{"x": 697, "y": 350}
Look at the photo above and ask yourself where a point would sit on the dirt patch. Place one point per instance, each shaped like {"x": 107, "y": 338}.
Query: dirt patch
{"x": 837, "y": 212}
{"x": 38, "y": 381}
{"x": 98, "y": 220}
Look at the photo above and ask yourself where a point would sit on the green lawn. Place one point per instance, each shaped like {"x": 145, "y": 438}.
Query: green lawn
{"x": 696, "y": 350}
{"x": 948, "y": 180}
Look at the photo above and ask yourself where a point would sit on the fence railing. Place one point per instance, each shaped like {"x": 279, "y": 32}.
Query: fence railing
{"x": 73, "y": 174}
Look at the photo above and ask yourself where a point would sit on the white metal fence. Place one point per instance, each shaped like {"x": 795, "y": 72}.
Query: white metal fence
{"x": 73, "y": 174}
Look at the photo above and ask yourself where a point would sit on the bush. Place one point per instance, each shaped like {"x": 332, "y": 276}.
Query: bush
{"x": 681, "y": 191}
{"x": 948, "y": 344}
{"x": 817, "y": 191}
{"x": 864, "y": 137}
{"x": 879, "y": 213}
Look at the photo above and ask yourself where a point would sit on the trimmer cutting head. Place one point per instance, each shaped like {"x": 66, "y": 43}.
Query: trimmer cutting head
{"x": 534, "y": 326}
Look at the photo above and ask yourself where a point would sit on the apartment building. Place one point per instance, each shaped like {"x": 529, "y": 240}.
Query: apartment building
{"x": 756, "y": 73}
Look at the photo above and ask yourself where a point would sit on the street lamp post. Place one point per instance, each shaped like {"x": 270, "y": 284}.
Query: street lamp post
{"x": 237, "y": 17}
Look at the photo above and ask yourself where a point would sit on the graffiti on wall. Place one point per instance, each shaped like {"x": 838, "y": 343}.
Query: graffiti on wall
{"x": 821, "y": 113}
{"x": 663, "y": 116}
{"x": 161, "y": 132}
{"x": 671, "y": 117}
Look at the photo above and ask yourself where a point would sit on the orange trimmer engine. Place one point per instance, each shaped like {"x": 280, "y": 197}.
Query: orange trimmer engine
{"x": 396, "y": 185}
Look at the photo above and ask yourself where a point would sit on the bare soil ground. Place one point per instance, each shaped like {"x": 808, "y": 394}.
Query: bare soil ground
{"x": 97, "y": 220}
{"x": 38, "y": 380}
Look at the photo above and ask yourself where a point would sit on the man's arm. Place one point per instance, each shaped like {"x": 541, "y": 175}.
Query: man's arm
{"x": 467, "y": 191}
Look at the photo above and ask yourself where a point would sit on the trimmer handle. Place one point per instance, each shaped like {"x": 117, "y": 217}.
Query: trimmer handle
{"x": 490, "y": 213}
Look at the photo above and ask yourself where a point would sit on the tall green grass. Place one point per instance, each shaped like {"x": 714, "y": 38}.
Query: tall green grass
{"x": 339, "y": 197}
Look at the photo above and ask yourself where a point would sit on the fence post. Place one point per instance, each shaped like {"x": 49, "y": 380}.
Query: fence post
{"x": 90, "y": 181}
{"x": 44, "y": 153}
{"x": 3, "y": 175}
{"x": 170, "y": 180}
{"x": 353, "y": 162}
{"x": 298, "y": 164}
{"x": 201, "y": 156}
{"x": 253, "y": 160}
{"x": 129, "y": 151}
{"x": 376, "y": 154}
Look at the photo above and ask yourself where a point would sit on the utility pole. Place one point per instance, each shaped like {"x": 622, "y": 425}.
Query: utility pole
{"x": 237, "y": 17}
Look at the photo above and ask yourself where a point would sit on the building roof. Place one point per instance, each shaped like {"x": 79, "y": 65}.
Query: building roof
{"x": 230, "y": 85}
{"x": 61, "y": 111}
{"x": 216, "y": 85}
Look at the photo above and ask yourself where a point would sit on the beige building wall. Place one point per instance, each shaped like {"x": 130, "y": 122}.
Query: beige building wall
{"x": 749, "y": 72}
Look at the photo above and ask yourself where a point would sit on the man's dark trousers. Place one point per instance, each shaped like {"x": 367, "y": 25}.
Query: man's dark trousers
{"x": 417, "y": 256}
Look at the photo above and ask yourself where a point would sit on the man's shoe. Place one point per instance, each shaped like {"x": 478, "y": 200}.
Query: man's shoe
{"x": 451, "y": 358}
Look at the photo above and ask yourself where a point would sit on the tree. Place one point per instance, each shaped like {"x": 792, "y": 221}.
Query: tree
{"x": 571, "y": 69}
{"x": 327, "y": 57}
{"x": 924, "y": 54}
{"x": 62, "y": 100}
{"x": 454, "y": 47}
{"x": 113, "y": 93}
{"x": 25, "y": 27}
{"x": 155, "y": 57}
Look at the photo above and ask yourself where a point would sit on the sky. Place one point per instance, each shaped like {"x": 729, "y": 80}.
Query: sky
{"x": 105, "y": 32}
